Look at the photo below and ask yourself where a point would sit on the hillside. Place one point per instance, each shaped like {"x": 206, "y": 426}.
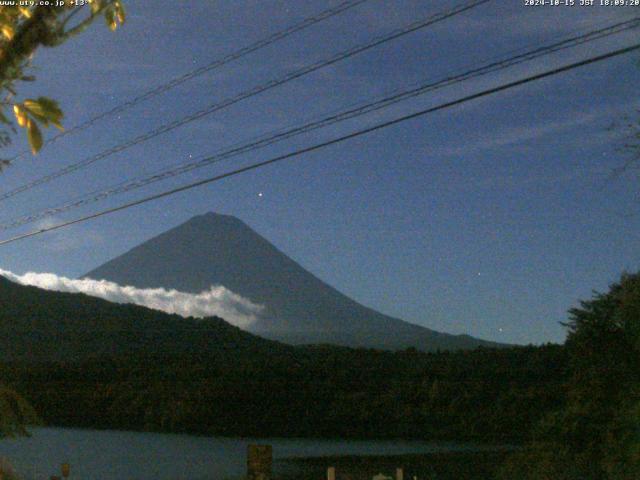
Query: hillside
{"x": 42, "y": 325}
{"x": 217, "y": 249}
{"x": 82, "y": 361}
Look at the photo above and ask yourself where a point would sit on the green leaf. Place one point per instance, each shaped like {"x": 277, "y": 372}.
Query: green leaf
{"x": 96, "y": 5}
{"x": 51, "y": 109}
{"x": 120, "y": 12}
{"x": 45, "y": 110}
{"x": 48, "y": 104}
{"x": 35, "y": 136}
{"x": 21, "y": 116}
{"x": 36, "y": 110}
{"x": 110, "y": 17}
{"x": 7, "y": 31}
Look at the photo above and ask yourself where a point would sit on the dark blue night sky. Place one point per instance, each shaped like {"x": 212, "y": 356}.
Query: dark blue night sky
{"x": 492, "y": 218}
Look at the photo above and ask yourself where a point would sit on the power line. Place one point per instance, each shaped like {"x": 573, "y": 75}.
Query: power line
{"x": 307, "y": 22}
{"x": 334, "y": 141}
{"x": 438, "y": 17}
{"x": 269, "y": 139}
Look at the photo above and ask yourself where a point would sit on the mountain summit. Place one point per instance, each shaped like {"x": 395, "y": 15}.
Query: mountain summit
{"x": 214, "y": 249}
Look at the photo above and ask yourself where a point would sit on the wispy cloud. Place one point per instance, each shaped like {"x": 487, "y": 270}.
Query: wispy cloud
{"x": 217, "y": 301}
{"x": 65, "y": 240}
{"x": 510, "y": 136}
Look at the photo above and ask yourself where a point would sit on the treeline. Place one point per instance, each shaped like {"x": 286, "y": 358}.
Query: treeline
{"x": 596, "y": 434}
{"x": 574, "y": 408}
{"x": 485, "y": 395}
{"x": 83, "y": 361}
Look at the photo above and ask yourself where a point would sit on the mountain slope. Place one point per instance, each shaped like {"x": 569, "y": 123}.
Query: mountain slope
{"x": 40, "y": 325}
{"x": 217, "y": 249}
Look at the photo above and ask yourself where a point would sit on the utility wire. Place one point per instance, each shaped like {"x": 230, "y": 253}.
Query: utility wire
{"x": 307, "y": 22}
{"x": 438, "y": 17}
{"x": 318, "y": 146}
{"x": 343, "y": 115}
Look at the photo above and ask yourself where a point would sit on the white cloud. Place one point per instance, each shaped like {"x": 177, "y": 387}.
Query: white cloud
{"x": 218, "y": 300}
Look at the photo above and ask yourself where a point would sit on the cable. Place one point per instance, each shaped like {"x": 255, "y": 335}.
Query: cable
{"x": 246, "y": 94}
{"x": 269, "y": 139}
{"x": 334, "y": 141}
{"x": 307, "y": 22}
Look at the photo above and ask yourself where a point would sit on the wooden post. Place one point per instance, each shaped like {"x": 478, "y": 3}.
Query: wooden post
{"x": 259, "y": 462}
{"x": 331, "y": 473}
{"x": 399, "y": 474}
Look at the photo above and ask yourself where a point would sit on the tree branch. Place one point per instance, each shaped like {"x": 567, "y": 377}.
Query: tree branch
{"x": 33, "y": 32}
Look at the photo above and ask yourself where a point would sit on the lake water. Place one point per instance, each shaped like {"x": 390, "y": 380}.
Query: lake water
{"x": 111, "y": 455}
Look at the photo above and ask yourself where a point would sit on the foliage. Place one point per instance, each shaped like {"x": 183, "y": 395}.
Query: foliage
{"x": 23, "y": 29}
{"x": 597, "y": 434}
{"x": 484, "y": 395}
{"x": 83, "y": 361}
{"x": 15, "y": 413}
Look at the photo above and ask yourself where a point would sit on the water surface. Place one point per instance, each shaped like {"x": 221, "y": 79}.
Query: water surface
{"x": 116, "y": 455}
